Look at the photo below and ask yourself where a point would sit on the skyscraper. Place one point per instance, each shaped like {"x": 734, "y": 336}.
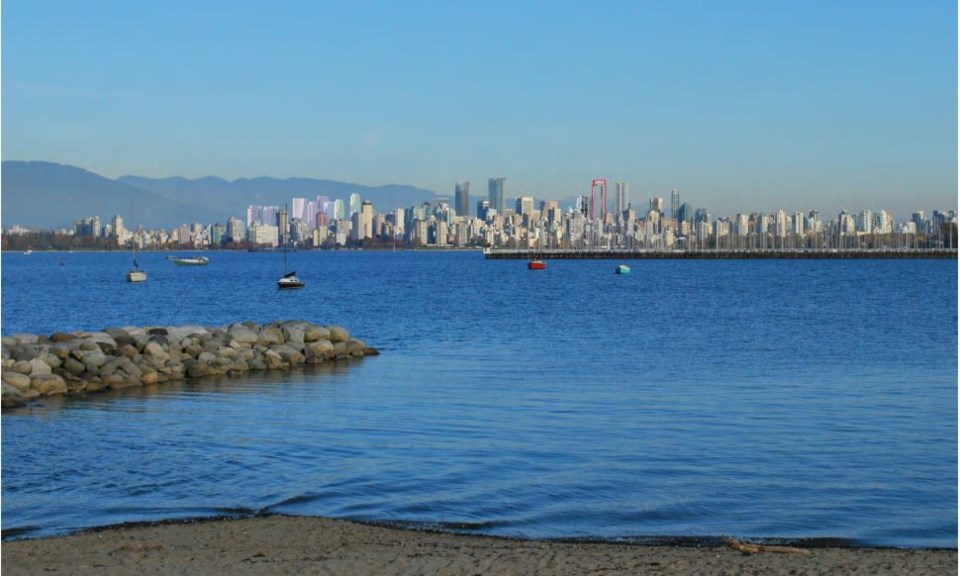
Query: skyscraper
{"x": 462, "y": 198}
{"x": 621, "y": 199}
{"x": 354, "y": 203}
{"x": 674, "y": 202}
{"x": 495, "y": 194}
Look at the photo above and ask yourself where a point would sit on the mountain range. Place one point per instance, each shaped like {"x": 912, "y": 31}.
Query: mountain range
{"x": 46, "y": 195}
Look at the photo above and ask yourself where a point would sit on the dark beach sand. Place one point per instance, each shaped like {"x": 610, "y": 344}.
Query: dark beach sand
{"x": 296, "y": 545}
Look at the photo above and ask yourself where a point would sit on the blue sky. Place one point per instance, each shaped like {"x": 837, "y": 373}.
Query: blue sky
{"x": 743, "y": 105}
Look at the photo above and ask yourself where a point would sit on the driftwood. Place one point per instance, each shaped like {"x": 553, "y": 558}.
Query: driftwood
{"x": 751, "y": 549}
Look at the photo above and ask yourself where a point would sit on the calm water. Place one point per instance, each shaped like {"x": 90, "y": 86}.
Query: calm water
{"x": 690, "y": 398}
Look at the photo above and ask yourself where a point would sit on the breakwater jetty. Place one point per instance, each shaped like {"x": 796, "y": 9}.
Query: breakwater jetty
{"x": 520, "y": 254}
{"x": 84, "y": 362}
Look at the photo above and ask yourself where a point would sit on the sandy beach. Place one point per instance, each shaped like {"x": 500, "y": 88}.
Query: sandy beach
{"x": 298, "y": 545}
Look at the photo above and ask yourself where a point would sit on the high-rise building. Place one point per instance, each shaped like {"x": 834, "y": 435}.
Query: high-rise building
{"x": 621, "y": 198}
{"x": 462, "y": 198}
{"x": 524, "y": 205}
{"x": 495, "y": 194}
{"x": 117, "y": 225}
{"x": 483, "y": 206}
{"x": 339, "y": 210}
{"x": 366, "y": 219}
{"x": 283, "y": 225}
{"x": 674, "y": 202}
{"x": 354, "y": 203}
{"x": 656, "y": 204}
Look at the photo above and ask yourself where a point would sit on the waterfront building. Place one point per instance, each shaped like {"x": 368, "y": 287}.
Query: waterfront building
{"x": 462, "y": 198}
{"x": 656, "y": 204}
{"x": 217, "y": 232}
{"x": 236, "y": 230}
{"x": 116, "y": 227}
{"x": 354, "y": 203}
{"x": 865, "y": 222}
{"x": 674, "y": 202}
{"x": 264, "y": 235}
{"x": 495, "y": 193}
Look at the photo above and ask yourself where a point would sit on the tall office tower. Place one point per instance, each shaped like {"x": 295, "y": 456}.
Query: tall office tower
{"x": 253, "y": 215}
{"x": 339, "y": 210}
{"x": 399, "y": 224}
{"x": 524, "y": 204}
{"x": 96, "y": 226}
{"x": 798, "y": 223}
{"x": 462, "y": 198}
{"x": 268, "y": 215}
{"x": 354, "y": 203}
{"x": 656, "y": 204}
{"x": 322, "y": 220}
{"x": 300, "y": 209}
{"x": 621, "y": 198}
{"x": 117, "y": 225}
{"x": 865, "y": 222}
{"x": 495, "y": 194}
{"x": 283, "y": 226}
{"x": 483, "y": 206}
{"x": 366, "y": 219}
{"x": 235, "y": 229}
{"x": 674, "y": 202}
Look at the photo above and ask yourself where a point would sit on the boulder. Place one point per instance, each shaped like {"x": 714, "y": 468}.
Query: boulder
{"x": 73, "y": 366}
{"x": 243, "y": 334}
{"x": 270, "y": 335}
{"x": 19, "y": 381}
{"x": 51, "y": 360}
{"x": 62, "y": 337}
{"x": 156, "y": 350}
{"x": 93, "y": 360}
{"x": 338, "y": 334}
{"x": 48, "y": 384}
{"x": 10, "y": 397}
{"x": 106, "y": 342}
{"x": 22, "y": 366}
{"x": 24, "y": 338}
{"x": 38, "y": 366}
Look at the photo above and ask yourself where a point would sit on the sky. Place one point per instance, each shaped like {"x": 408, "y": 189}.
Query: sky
{"x": 741, "y": 105}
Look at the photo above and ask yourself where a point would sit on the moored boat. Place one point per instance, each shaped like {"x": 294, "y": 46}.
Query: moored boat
{"x": 622, "y": 269}
{"x": 537, "y": 264}
{"x": 290, "y": 280}
{"x": 195, "y": 261}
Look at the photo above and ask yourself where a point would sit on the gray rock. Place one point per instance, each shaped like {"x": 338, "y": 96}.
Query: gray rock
{"x": 155, "y": 350}
{"x": 23, "y": 367}
{"x": 93, "y": 360}
{"x": 38, "y": 366}
{"x": 73, "y": 366}
{"x": 20, "y": 338}
{"x": 19, "y": 381}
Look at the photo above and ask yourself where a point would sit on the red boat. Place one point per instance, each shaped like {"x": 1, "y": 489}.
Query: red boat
{"x": 537, "y": 265}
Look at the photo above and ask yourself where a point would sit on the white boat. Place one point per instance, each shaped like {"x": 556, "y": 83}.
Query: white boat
{"x": 195, "y": 261}
{"x": 135, "y": 274}
{"x": 290, "y": 280}
{"x": 622, "y": 269}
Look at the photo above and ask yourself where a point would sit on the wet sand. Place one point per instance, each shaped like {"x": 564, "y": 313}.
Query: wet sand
{"x": 298, "y": 545}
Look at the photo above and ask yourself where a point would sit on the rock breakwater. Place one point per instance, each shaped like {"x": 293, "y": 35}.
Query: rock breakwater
{"x": 84, "y": 362}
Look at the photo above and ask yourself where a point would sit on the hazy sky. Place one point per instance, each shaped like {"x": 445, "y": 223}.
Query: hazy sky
{"x": 742, "y": 105}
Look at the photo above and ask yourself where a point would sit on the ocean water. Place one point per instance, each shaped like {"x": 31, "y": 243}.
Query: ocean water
{"x": 770, "y": 399}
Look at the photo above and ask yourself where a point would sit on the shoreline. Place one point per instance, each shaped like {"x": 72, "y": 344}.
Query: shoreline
{"x": 276, "y": 544}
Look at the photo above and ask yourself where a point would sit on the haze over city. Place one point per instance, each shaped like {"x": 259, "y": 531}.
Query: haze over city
{"x": 744, "y": 106}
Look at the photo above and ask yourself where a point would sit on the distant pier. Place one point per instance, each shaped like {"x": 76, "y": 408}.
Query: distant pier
{"x": 514, "y": 254}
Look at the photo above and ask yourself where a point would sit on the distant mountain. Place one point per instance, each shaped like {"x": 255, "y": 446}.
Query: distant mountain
{"x": 49, "y": 195}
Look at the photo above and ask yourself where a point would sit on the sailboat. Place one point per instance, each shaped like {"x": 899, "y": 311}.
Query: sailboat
{"x": 136, "y": 274}
{"x": 289, "y": 279}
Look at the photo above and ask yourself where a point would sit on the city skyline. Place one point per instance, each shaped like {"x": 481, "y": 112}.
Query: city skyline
{"x": 747, "y": 105}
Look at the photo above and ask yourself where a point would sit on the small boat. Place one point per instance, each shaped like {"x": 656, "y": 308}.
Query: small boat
{"x": 290, "y": 280}
{"x": 622, "y": 269}
{"x": 136, "y": 274}
{"x": 195, "y": 261}
{"x": 537, "y": 265}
